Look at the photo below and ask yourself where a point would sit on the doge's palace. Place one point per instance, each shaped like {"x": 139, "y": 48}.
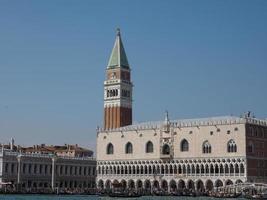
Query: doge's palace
{"x": 199, "y": 154}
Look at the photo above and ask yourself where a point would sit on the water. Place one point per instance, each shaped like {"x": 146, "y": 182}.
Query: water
{"x": 53, "y": 197}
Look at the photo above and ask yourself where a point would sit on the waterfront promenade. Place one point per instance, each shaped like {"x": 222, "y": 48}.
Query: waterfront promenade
{"x": 46, "y": 197}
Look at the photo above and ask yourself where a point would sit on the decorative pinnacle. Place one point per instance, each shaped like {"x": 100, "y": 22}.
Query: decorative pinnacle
{"x": 118, "y": 32}
{"x": 166, "y": 116}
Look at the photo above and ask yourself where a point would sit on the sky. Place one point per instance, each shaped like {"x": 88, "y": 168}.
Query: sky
{"x": 193, "y": 58}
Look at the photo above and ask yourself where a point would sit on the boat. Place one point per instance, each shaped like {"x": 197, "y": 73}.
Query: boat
{"x": 226, "y": 195}
{"x": 124, "y": 195}
{"x": 256, "y": 196}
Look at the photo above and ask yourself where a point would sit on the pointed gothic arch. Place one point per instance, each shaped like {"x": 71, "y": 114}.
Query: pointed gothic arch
{"x": 231, "y": 146}
{"x": 149, "y": 147}
{"x": 110, "y": 149}
{"x": 166, "y": 149}
{"x": 129, "y": 148}
{"x": 184, "y": 145}
{"x": 206, "y": 147}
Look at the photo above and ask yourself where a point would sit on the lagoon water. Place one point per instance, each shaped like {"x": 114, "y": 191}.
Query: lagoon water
{"x": 54, "y": 197}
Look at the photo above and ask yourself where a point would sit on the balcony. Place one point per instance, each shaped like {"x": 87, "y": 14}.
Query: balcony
{"x": 165, "y": 156}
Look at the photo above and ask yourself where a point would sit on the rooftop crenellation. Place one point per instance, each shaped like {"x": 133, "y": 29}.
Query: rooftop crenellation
{"x": 213, "y": 121}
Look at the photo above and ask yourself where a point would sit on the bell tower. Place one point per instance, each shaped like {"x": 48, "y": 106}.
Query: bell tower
{"x": 118, "y": 88}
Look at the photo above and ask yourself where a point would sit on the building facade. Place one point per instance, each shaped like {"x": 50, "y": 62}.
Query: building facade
{"x": 197, "y": 154}
{"x": 24, "y": 172}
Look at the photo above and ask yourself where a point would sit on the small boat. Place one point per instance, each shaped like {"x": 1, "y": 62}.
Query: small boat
{"x": 226, "y": 195}
{"x": 256, "y": 196}
{"x": 124, "y": 195}
{"x": 101, "y": 194}
{"x": 158, "y": 193}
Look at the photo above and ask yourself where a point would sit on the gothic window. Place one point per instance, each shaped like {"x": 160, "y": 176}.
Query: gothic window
{"x": 149, "y": 147}
{"x": 35, "y": 169}
{"x": 166, "y": 149}
{"x": 231, "y": 146}
{"x": 71, "y": 170}
{"x": 129, "y": 148}
{"x": 84, "y": 170}
{"x": 206, "y": 147}
{"x": 23, "y": 168}
{"x": 250, "y": 147}
{"x": 61, "y": 170}
{"x": 251, "y": 131}
{"x": 110, "y": 149}
{"x": 184, "y": 145}
{"x": 126, "y": 93}
{"x": 12, "y": 168}
{"x": 29, "y": 168}
{"x": 6, "y": 167}
{"x": 45, "y": 169}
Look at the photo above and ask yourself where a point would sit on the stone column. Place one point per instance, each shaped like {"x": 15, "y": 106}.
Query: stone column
{"x": 245, "y": 170}
{"x": 19, "y": 171}
{"x": 53, "y": 173}
{"x": 234, "y": 169}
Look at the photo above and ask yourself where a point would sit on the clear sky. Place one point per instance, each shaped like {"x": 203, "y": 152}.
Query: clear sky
{"x": 193, "y": 58}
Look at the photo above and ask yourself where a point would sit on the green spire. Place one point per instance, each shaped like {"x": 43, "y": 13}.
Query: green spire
{"x": 118, "y": 56}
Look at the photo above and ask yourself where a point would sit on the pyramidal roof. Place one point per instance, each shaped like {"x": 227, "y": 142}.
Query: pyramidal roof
{"x": 118, "y": 56}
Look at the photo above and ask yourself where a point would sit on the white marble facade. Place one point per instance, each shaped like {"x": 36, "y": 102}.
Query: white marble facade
{"x": 195, "y": 154}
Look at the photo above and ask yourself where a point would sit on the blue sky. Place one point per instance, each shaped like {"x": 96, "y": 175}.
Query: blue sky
{"x": 193, "y": 58}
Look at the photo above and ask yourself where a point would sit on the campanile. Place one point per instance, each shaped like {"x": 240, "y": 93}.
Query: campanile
{"x": 118, "y": 88}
